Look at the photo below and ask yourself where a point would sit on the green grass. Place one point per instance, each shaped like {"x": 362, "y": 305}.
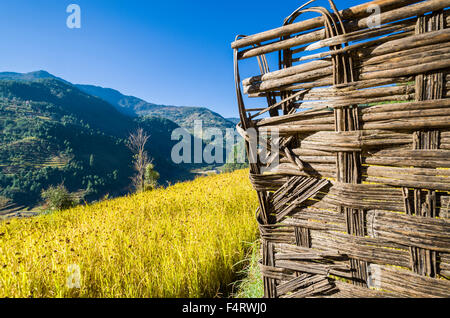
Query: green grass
{"x": 252, "y": 285}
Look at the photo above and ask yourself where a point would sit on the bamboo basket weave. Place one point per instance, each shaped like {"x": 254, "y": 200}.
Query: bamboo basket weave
{"x": 358, "y": 205}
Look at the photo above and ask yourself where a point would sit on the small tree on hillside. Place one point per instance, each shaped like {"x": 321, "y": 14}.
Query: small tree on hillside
{"x": 136, "y": 143}
{"x": 58, "y": 198}
{"x": 151, "y": 177}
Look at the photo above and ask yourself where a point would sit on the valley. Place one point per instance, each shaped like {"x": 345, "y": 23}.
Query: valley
{"x": 54, "y": 132}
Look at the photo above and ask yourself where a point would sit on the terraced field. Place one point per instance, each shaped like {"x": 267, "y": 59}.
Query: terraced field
{"x": 183, "y": 241}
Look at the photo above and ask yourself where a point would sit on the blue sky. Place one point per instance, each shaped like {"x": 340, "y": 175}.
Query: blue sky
{"x": 166, "y": 52}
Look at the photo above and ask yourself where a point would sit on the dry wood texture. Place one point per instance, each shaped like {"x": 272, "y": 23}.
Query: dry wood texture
{"x": 358, "y": 205}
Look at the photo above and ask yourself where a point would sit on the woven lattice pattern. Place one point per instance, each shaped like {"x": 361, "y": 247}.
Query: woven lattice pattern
{"x": 358, "y": 205}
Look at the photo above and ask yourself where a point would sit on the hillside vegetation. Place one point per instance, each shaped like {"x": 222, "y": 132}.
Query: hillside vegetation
{"x": 51, "y": 132}
{"x": 181, "y": 115}
{"x": 179, "y": 242}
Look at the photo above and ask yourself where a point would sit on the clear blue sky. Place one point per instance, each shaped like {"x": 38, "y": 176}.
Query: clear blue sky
{"x": 167, "y": 52}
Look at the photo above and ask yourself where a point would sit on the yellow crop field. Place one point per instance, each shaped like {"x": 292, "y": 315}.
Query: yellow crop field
{"x": 182, "y": 241}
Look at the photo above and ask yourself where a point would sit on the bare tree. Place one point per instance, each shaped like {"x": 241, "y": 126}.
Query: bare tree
{"x": 136, "y": 143}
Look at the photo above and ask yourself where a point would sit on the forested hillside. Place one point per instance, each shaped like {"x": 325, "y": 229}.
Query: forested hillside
{"x": 133, "y": 106}
{"x": 52, "y": 133}
{"x": 183, "y": 116}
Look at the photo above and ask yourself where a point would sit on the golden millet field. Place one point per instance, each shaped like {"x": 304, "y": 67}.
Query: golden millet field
{"x": 183, "y": 241}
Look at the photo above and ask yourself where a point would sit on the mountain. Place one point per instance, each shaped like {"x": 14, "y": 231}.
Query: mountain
{"x": 32, "y": 76}
{"x": 234, "y": 120}
{"x": 182, "y": 115}
{"x": 132, "y": 106}
{"x": 124, "y": 104}
{"x": 51, "y": 132}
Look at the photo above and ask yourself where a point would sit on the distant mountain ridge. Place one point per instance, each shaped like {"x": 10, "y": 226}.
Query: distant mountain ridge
{"x": 122, "y": 103}
{"x": 31, "y": 76}
{"x": 182, "y": 115}
{"x": 234, "y": 120}
{"x": 133, "y": 106}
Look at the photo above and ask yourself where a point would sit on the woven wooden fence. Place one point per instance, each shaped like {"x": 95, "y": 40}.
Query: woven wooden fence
{"x": 358, "y": 205}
